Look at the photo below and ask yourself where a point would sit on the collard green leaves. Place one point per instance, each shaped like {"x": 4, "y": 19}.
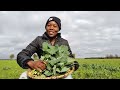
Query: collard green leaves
{"x": 56, "y": 58}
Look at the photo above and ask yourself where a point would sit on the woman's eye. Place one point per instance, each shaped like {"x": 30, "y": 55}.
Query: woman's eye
{"x": 55, "y": 26}
{"x": 48, "y": 25}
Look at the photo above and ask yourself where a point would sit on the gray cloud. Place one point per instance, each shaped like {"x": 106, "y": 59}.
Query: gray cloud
{"x": 89, "y": 33}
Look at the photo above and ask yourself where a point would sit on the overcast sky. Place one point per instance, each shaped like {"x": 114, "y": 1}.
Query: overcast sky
{"x": 89, "y": 33}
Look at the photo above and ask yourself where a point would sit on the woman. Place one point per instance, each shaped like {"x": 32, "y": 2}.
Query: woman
{"x": 52, "y": 36}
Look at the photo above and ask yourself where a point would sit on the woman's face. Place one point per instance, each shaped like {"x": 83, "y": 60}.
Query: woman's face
{"x": 52, "y": 29}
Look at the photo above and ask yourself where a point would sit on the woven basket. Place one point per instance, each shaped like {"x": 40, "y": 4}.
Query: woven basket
{"x": 31, "y": 76}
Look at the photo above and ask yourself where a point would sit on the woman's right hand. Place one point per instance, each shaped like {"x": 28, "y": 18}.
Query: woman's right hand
{"x": 38, "y": 65}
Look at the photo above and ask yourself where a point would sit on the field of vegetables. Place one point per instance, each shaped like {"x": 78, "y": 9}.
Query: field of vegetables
{"x": 9, "y": 69}
{"x": 89, "y": 69}
{"x": 98, "y": 69}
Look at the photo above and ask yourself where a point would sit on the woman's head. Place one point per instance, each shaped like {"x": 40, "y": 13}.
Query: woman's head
{"x": 53, "y": 26}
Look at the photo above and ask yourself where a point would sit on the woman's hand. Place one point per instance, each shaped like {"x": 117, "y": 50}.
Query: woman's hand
{"x": 38, "y": 65}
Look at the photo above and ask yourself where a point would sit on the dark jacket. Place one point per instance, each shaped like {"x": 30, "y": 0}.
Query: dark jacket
{"x": 36, "y": 47}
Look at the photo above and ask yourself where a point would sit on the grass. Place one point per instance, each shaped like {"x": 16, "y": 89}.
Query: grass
{"x": 98, "y": 69}
{"x": 9, "y": 69}
{"x": 89, "y": 69}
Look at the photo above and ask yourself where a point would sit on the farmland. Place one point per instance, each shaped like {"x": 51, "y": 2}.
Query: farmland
{"x": 9, "y": 69}
{"x": 98, "y": 69}
{"x": 89, "y": 69}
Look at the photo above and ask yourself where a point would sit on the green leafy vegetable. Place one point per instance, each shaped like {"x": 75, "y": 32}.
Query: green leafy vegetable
{"x": 57, "y": 58}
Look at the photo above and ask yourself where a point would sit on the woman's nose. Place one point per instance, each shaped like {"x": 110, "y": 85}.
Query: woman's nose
{"x": 51, "y": 27}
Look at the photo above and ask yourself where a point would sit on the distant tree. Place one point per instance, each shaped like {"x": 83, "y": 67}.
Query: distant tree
{"x": 111, "y": 56}
{"x": 116, "y": 56}
{"x": 12, "y": 56}
{"x": 107, "y": 56}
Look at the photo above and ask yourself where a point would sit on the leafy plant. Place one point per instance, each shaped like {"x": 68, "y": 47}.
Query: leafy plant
{"x": 56, "y": 58}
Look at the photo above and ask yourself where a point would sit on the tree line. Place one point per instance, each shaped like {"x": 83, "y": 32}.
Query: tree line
{"x": 34, "y": 56}
{"x": 108, "y": 56}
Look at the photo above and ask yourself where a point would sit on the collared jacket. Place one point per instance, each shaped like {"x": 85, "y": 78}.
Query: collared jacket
{"x": 36, "y": 47}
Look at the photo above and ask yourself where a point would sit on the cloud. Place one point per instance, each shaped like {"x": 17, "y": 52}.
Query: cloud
{"x": 89, "y": 33}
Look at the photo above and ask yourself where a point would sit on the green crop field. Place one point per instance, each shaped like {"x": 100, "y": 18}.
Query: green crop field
{"x": 89, "y": 69}
{"x": 9, "y": 69}
{"x": 98, "y": 69}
